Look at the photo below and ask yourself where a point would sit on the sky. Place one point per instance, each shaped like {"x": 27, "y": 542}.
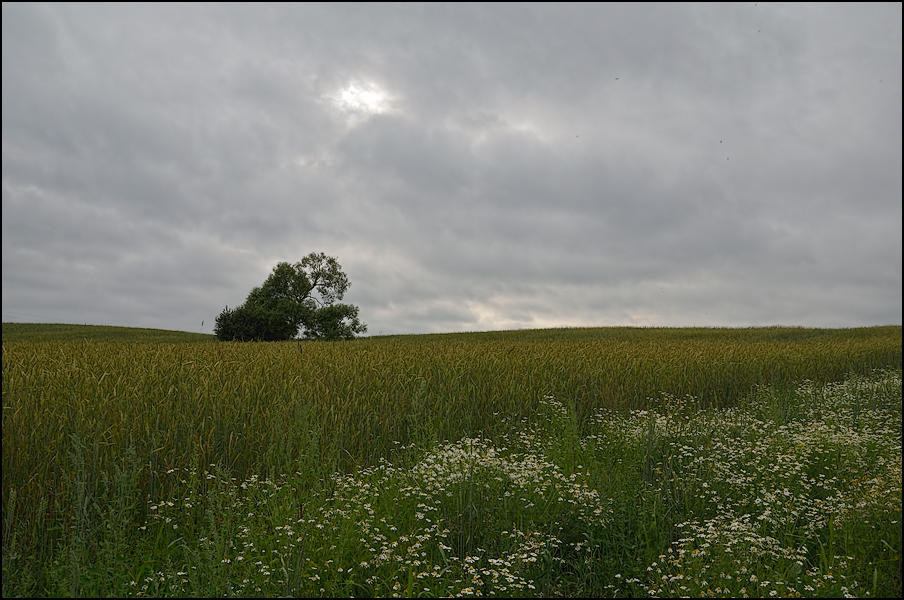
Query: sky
{"x": 472, "y": 167}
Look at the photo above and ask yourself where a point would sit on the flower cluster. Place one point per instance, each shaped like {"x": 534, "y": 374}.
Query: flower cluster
{"x": 437, "y": 520}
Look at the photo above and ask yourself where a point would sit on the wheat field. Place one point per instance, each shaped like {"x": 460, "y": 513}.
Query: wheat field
{"x": 96, "y": 432}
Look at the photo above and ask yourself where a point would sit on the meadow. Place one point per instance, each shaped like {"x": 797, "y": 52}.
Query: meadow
{"x": 618, "y": 462}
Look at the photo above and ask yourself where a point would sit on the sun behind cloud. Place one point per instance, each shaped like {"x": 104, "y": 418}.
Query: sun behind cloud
{"x": 362, "y": 99}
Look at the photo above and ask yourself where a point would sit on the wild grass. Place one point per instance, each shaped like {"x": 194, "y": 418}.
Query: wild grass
{"x": 544, "y": 464}
{"x": 59, "y": 332}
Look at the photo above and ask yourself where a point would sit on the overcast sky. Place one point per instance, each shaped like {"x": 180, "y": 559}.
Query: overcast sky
{"x": 472, "y": 167}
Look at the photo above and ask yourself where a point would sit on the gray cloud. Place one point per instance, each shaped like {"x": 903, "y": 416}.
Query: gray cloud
{"x": 471, "y": 166}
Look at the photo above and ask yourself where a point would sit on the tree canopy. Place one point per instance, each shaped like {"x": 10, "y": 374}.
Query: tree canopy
{"x": 295, "y": 300}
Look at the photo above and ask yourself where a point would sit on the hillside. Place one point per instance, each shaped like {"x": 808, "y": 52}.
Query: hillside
{"x": 56, "y": 332}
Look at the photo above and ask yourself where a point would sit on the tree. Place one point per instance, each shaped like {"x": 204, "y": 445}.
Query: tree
{"x": 334, "y": 322}
{"x": 252, "y": 322}
{"x": 300, "y": 298}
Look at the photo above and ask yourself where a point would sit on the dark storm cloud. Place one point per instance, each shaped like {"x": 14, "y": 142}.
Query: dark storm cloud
{"x": 471, "y": 166}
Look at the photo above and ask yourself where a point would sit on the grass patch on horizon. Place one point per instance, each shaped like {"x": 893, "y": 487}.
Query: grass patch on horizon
{"x": 61, "y": 332}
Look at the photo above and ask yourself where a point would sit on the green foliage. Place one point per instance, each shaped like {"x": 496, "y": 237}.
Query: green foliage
{"x": 303, "y": 296}
{"x": 333, "y": 322}
{"x": 254, "y": 322}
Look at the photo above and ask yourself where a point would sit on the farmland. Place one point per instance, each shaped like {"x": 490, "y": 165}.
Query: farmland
{"x": 600, "y": 462}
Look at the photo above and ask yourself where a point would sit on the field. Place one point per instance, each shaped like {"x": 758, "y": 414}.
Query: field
{"x": 47, "y": 332}
{"x": 568, "y": 462}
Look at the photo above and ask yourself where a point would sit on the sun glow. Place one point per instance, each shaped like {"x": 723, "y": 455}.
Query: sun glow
{"x": 360, "y": 99}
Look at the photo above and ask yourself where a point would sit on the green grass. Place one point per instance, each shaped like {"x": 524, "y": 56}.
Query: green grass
{"x": 546, "y": 462}
{"x": 58, "y": 332}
